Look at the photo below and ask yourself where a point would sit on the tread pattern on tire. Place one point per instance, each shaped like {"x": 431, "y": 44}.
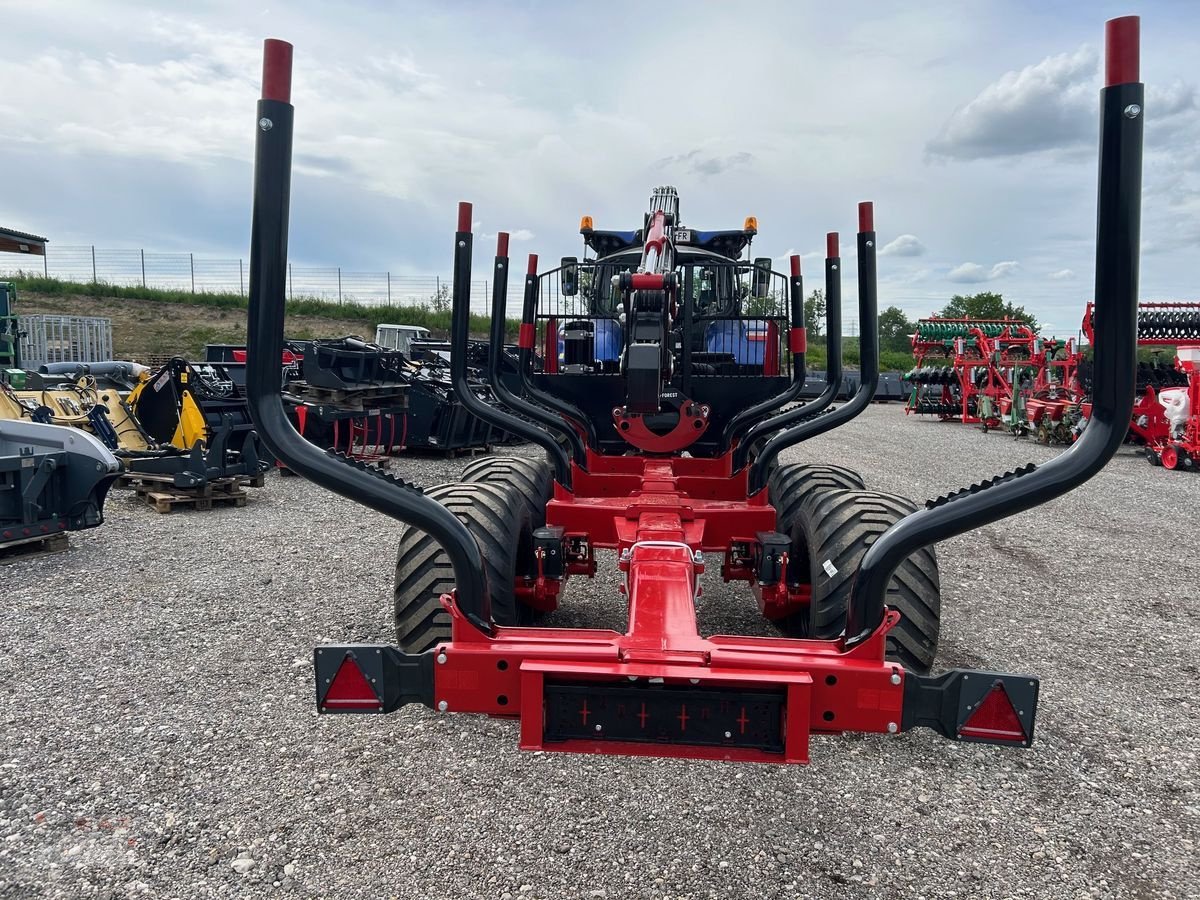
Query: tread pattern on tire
{"x": 790, "y": 485}
{"x": 498, "y": 519}
{"x": 532, "y": 478}
{"x": 839, "y": 526}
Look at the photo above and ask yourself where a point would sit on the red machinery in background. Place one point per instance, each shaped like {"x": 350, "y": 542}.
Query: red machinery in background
{"x": 1161, "y": 384}
{"x": 998, "y": 372}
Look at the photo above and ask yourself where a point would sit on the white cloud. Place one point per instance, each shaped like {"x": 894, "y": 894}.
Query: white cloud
{"x": 1043, "y": 106}
{"x": 1062, "y": 275}
{"x": 973, "y": 273}
{"x": 904, "y": 245}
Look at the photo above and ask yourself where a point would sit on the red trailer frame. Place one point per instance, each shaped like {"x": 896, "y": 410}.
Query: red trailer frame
{"x": 660, "y": 688}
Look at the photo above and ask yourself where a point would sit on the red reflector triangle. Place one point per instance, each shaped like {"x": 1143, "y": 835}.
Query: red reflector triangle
{"x": 994, "y": 718}
{"x": 350, "y": 688}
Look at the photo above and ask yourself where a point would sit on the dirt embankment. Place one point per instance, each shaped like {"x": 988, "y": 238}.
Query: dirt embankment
{"x": 150, "y": 328}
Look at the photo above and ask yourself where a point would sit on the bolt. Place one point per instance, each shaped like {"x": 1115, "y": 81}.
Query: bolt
{"x": 728, "y": 734}
{"x": 499, "y": 265}
{"x": 895, "y": 678}
{"x": 265, "y": 124}
{"x": 633, "y": 678}
{"x": 441, "y": 658}
{"x": 1132, "y": 111}
{"x": 462, "y": 243}
{"x": 373, "y": 681}
{"x": 870, "y": 243}
{"x": 893, "y": 727}
{"x": 443, "y": 706}
{"x": 834, "y": 267}
{"x": 694, "y": 680}
{"x": 599, "y": 728}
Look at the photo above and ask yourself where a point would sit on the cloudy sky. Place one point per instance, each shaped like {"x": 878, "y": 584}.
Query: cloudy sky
{"x": 972, "y": 125}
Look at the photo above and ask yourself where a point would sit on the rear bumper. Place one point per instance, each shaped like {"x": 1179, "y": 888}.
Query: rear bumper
{"x": 727, "y": 698}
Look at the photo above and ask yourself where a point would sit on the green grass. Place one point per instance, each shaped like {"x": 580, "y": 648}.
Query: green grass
{"x": 417, "y": 314}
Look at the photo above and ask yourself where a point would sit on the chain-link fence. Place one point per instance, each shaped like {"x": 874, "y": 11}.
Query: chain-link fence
{"x": 188, "y": 272}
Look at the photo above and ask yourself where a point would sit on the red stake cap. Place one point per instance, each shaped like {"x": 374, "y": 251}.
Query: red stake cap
{"x": 502, "y": 244}
{"x": 795, "y": 265}
{"x": 350, "y": 688}
{"x": 277, "y": 70}
{"x": 464, "y": 217}
{"x": 833, "y": 245}
{"x": 1121, "y": 50}
{"x": 866, "y": 216}
{"x": 531, "y": 269}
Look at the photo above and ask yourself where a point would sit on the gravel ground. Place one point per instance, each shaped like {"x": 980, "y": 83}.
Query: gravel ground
{"x": 158, "y": 737}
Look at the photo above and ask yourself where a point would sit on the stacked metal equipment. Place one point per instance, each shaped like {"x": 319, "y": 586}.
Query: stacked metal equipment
{"x": 180, "y": 424}
{"x": 369, "y": 401}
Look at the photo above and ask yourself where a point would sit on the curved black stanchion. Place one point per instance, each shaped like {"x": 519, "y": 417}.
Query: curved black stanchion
{"x": 1118, "y": 234}
{"x": 797, "y": 345}
{"x": 558, "y": 456}
{"x": 574, "y": 417}
{"x": 833, "y": 362}
{"x": 460, "y": 327}
{"x": 868, "y": 343}
{"x": 268, "y": 281}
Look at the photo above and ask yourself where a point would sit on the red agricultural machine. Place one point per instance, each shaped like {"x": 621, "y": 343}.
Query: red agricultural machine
{"x": 996, "y": 373}
{"x": 1166, "y": 411}
{"x": 665, "y": 361}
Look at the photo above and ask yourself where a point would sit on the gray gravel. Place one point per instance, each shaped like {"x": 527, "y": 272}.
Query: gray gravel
{"x": 158, "y": 738}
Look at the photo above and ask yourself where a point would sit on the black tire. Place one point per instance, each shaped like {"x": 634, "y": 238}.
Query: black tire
{"x": 838, "y": 526}
{"x": 532, "y": 479}
{"x": 790, "y": 485}
{"x": 498, "y": 519}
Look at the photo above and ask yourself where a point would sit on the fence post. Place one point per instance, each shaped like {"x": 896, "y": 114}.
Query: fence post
{"x": 241, "y": 279}
{"x": 339, "y": 284}
{"x": 289, "y": 281}
{"x": 143, "y": 252}
{"x": 93, "y": 263}
{"x": 389, "y": 278}
{"x": 192, "y": 266}
{"x": 45, "y": 263}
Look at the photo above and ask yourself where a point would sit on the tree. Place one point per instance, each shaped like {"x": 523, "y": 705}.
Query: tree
{"x": 440, "y": 299}
{"x": 814, "y": 313}
{"x": 986, "y": 305}
{"x": 895, "y": 330}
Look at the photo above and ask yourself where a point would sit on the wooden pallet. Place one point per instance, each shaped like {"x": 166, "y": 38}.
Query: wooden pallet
{"x": 166, "y": 482}
{"x": 31, "y": 547}
{"x": 358, "y": 399}
{"x": 165, "y": 498}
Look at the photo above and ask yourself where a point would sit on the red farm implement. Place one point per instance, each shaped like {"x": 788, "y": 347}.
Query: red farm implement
{"x": 995, "y": 373}
{"x": 1166, "y": 411}
{"x": 661, "y": 368}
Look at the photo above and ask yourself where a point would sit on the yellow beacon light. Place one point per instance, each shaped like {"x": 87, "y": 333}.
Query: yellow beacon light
{"x": 751, "y": 224}
{"x": 585, "y": 224}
